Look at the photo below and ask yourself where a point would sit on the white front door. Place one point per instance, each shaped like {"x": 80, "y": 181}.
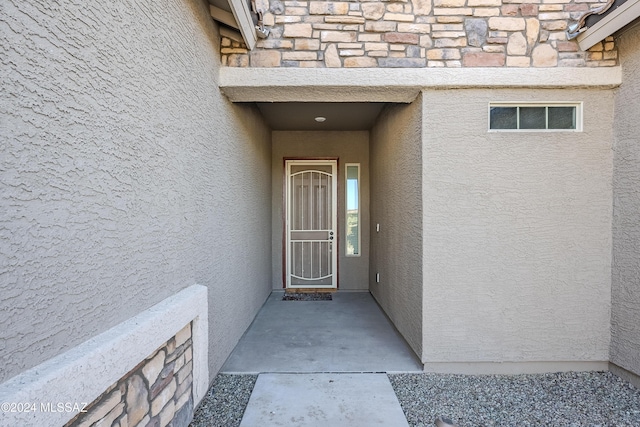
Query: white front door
{"x": 311, "y": 226}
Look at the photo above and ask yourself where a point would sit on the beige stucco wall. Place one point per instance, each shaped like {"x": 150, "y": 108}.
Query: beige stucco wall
{"x": 349, "y": 147}
{"x": 517, "y": 232}
{"x": 396, "y": 204}
{"x": 126, "y": 176}
{"x": 625, "y": 316}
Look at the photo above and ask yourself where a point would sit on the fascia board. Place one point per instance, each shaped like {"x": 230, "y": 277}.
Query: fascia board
{"x": 611, "y": 23}
{"x": 241, "y": 12}
{"x": 223, "y": 16}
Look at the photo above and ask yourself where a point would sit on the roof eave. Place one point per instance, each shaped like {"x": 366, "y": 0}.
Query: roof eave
{"x": 614, "y": 21}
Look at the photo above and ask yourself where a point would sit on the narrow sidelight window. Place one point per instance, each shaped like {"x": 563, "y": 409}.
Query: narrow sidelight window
{"x": 352, "y": 190}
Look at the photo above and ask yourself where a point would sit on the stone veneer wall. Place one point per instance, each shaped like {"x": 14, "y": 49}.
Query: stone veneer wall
{"x": 420, "y": 33}
{"x": 155, "y": 393}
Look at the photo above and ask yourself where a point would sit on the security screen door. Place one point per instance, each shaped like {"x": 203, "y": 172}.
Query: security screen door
{"x": 311, "y": 227}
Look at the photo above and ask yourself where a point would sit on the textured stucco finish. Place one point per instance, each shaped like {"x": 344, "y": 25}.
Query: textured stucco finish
{"x": 517, "y": 232}
{"x": 126, "y": 176}
{"x": 625, "y": 310}
{"x": 394, "y": 84}
{"x": 349, "y": 147}
{"x": 396, "y": 204}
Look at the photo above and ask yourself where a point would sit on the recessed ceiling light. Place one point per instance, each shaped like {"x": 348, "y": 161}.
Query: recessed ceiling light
{"x": 320, "y": 119}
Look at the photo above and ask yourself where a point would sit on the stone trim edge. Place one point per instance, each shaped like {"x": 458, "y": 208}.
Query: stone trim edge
{"x": 84, "y": 372}
{"x": 397, "y": 84}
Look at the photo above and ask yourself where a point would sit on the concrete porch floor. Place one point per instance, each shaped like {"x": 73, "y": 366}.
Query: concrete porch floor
{"x": 348, "y": 334}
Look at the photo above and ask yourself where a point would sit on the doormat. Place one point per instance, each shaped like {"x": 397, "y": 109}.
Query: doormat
{"x": 307, "y": 296}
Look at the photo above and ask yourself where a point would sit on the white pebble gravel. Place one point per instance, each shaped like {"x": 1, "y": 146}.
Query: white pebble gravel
{"x": 560, "y": 399}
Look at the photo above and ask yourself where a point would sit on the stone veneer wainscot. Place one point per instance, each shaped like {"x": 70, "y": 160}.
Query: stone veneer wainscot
{"x": 157, "y": 392}
{"x": 419, "y": 33}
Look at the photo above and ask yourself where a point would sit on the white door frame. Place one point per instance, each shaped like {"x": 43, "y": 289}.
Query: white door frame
{"x": 332, "y": 234}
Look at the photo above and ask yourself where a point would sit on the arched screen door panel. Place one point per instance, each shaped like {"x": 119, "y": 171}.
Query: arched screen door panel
{"x": 311, "y": 227}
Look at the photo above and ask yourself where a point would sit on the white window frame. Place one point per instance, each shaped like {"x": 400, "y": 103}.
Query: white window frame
{"x": 346, "y": 212}
{"x": 576, "y": 105}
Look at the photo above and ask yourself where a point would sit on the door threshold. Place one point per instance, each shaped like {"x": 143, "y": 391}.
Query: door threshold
{"x": 309, "y": 290}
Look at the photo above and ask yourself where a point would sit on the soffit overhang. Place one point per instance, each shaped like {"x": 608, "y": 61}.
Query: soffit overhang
{"x": 236, "y": 19}
{"x": 396, "y": 84}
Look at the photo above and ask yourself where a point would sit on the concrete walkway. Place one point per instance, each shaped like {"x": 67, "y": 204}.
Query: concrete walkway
{"x": 323, "y": 400}
{"x": 322, "y": 363}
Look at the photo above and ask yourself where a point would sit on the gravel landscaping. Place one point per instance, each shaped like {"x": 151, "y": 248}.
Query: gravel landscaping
{"x": 224, "y": 404}
{"x": 562, "y": 399}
